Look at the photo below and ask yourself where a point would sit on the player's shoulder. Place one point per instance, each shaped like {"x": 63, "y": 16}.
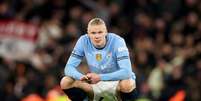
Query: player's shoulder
{"x": 115, "y": 38}
{"x": 119, "y": 43}
{"x": 83, "y": 37}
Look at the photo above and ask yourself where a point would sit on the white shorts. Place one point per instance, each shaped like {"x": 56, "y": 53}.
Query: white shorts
{"x": 105, "y": 91}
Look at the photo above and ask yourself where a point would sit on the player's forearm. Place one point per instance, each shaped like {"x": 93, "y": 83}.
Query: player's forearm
{"x": 124, "y": 72}
{"x": 72, "y": 72}
{"x": 118, "y": 75}
{"x": 70, "y": 68}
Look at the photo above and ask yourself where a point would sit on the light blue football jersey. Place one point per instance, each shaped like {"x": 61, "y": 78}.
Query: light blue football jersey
{"x": 112, "y": 62}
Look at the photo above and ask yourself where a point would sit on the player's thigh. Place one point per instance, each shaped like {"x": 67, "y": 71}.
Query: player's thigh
{"x": 66, "y": 82}
{"x": 83, "y": 85}
{"x": 126, "y": 85}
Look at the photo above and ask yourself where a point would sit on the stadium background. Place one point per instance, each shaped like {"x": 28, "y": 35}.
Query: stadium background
{"x": 163, "y": 37}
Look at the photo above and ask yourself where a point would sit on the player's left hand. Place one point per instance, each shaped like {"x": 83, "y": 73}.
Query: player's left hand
{"x": 95, "y": 78}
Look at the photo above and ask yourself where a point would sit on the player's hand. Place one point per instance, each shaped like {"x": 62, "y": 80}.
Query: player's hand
{"x": 85, "y": 78}
{"x": 95, "y": 78}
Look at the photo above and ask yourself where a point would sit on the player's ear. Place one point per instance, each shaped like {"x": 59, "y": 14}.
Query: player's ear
{"x": 87, "y": 30}
{"x": 106, "y": 33}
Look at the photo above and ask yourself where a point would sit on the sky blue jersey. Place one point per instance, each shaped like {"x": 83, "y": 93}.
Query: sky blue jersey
{"x": 112, "y": 62}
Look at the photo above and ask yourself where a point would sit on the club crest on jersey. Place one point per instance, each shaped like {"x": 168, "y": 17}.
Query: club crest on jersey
{"x": 98, "y": 57}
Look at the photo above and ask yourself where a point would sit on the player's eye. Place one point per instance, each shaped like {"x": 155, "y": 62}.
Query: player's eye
{"x": 100, "y": 32}
{"x": 93, "y": 32}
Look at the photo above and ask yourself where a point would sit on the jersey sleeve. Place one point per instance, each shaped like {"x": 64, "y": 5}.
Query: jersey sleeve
{"x": 123, "y": 61}
{"x": 74, "y": 60}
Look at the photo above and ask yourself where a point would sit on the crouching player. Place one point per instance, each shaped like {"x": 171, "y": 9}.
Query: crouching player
{"x": 108, "y": 60}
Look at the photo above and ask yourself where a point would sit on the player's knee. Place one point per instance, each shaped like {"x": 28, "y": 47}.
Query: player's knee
{"x": 66, "y": 82}
{"x": 126, "y": 86}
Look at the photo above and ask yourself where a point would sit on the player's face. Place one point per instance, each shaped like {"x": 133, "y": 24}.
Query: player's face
{"x": 97, "y": 34}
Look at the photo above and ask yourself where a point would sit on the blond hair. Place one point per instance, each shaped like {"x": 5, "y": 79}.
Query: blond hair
{"x": 96, "y": 21}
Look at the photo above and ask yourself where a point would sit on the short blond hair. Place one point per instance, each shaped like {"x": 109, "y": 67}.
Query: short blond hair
{"x": 96, "y": 21}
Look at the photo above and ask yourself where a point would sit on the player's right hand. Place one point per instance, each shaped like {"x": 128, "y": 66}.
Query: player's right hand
{"x": 85, "y": 78}
{"x": 94, "y": 78}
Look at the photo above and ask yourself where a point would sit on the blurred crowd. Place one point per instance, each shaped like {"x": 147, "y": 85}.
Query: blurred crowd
{"x": 163, "y": 36}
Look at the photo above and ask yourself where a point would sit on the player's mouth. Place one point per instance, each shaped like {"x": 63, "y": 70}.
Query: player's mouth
{"x": 97, "y": 41}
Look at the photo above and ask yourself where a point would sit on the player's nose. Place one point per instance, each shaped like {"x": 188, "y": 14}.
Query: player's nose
{"x": 97, "y": 37}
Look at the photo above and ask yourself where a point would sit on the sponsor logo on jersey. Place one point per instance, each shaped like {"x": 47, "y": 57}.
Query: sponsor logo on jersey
{"x": 120, "y": 49}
